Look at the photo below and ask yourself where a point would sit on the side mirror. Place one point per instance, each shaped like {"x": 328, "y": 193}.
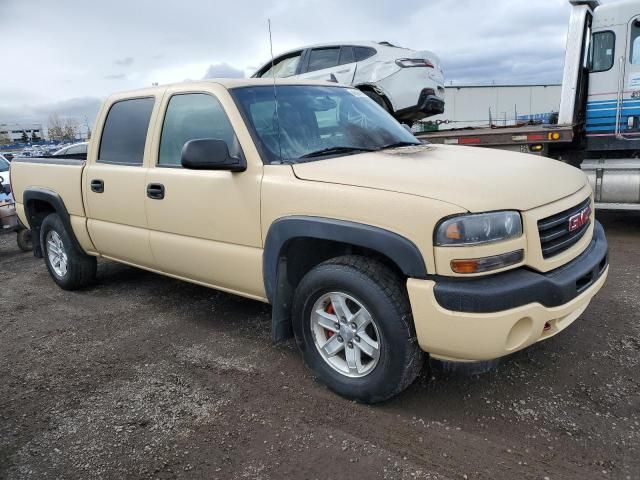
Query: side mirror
{"x": 210, "y": 154}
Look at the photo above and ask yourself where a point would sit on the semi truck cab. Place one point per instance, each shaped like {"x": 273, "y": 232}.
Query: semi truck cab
{"x": 598, "y": 128}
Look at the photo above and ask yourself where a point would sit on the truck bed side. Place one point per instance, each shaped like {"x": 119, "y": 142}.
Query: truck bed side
{"x": 37, "y": 182}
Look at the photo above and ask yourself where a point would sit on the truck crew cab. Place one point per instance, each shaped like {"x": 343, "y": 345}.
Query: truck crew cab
{"x": 371, "y": 247}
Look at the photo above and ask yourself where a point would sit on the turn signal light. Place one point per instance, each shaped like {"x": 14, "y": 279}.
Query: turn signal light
{"x": 554, "y": 136}
{"x": 486, "y": 264}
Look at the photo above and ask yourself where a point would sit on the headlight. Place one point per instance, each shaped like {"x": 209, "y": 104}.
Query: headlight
{"x": 477, "y": 229}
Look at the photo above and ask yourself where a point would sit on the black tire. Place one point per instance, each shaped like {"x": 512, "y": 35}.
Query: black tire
{"x": 81, "y": 268}
{"x": 376, "y": 98}
{"x": 381, "y": 292}
{"x": 24, "y": 240}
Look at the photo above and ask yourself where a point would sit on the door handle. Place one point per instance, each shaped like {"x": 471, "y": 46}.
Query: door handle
{"x": 155, "y": 191}
{"x": 97, "y": 186}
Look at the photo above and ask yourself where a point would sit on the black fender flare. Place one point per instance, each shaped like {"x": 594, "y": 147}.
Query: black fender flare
{"x": 402, "y": 251}
{"x": 53, "y": 199}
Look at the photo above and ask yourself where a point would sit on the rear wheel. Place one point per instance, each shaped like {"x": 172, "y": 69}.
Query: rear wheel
{"x": 69, "y": 267}
{"x": 24, "y": 240}
{"x": 353, "y": 325}
{"x": 376, "y": 98}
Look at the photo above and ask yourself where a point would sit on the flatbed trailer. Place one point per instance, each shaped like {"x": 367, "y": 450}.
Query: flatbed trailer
{"x": 536, "y": 139}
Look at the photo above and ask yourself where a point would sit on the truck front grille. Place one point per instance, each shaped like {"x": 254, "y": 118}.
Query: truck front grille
{"x": 555, "y": 232}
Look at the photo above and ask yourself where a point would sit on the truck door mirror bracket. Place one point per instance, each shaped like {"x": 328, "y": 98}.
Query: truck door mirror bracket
{"x": 210, "y": 154}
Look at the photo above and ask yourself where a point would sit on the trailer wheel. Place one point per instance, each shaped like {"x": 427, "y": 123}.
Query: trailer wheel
{"x": 24, "y": 240}
{"x": 69, "y": 267}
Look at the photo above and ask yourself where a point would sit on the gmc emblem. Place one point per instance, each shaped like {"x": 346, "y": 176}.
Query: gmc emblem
{"x": 579, "y": 219}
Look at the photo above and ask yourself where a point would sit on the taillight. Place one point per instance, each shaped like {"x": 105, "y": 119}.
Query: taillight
{"x": 414, "y": 62}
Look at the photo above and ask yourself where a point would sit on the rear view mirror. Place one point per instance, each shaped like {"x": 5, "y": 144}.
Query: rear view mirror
{"x": 210, "y": 154}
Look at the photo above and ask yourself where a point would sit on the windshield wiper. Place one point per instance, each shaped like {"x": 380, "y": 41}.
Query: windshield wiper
{"x": 332, "y": 150}
{"x": 400, "y": 144}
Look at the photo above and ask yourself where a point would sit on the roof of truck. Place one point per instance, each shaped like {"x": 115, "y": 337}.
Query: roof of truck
{"x": 226, "y": 83}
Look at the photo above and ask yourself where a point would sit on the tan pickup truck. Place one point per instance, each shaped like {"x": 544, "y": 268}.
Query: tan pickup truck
{"x": 371, "y": 247}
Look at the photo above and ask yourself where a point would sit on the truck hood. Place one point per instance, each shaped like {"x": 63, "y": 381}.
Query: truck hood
{"x": 473, "y": 178}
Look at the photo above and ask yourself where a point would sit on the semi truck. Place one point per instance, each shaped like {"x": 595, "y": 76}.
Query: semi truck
{"x": 598, "y": 125}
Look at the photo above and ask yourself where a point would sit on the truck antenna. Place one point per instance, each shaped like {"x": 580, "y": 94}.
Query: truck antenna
{"x": 275, "y": 90}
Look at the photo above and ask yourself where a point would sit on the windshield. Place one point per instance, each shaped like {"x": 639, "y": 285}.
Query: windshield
{"x": 4, "y": 165}
{"x": 313, "y": 122}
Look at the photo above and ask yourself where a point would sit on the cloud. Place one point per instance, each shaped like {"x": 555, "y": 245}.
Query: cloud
{"x": 501, "y": 41}
{"x": 76, "y": 108}
{"x": 124, "y": 62}
{"x": 223, "y": 70}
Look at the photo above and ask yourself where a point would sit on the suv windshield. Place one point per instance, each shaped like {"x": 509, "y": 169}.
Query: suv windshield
{"x": 4, "y": 165}
{"x": 314, "y": 122}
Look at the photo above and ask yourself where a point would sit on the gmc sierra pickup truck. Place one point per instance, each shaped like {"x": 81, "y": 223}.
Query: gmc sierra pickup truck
{"x": 371, "y": 247}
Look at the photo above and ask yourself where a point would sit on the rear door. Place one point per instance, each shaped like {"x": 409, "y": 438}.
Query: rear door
{"x": 331, "y": 64}
{"x": 114, "y": 182}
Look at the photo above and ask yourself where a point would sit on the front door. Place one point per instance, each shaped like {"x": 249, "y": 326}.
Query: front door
{"x": 114, "y": 183}
{"x": 205, "y": 227}
{"x": 630, "y": 114}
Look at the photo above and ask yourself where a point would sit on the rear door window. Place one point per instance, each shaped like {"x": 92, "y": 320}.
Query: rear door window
{"x": 362, "y": 53}
{"x": 125, "y": 132}
{"x": 321, "y": 58}
{"x": 346, "y": 56}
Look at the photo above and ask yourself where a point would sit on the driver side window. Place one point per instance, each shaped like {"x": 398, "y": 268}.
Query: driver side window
{"x": 193, "y": 116}
{"x": 284, "y": 67}
{"x": 635, "y": 43}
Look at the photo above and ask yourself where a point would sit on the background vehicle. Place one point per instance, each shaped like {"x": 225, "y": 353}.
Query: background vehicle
{"x": 408, "y": 84}
{"x": 598, "y": 127}
{"x": 370, "y": 246}
{"x": 7, "y": 156}
{"x": 75, "y": 149}
{"x": 4, "y": 172}
{"x": 8, "y": 217}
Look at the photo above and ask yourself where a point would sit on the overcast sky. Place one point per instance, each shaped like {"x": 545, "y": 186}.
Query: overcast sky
{"x": 66, "y": 56}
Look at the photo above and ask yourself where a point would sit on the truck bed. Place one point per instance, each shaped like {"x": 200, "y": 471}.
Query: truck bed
{"x": 61, "y": 174}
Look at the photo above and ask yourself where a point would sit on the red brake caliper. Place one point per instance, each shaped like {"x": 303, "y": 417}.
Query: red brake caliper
{"x": 329, "y": 309}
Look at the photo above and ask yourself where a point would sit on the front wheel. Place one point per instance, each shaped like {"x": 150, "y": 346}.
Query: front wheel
{"x": 353, "y": 325}
{"x": 69, "y": 267}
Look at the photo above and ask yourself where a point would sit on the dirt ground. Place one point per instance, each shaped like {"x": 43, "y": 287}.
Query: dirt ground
{"x": 142, "y": 376}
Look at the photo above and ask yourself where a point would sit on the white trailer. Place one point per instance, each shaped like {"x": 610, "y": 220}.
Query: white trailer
{"x": 598, "y": 126}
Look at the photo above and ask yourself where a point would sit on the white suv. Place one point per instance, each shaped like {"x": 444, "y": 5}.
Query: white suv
{"x": 407, "y": 83}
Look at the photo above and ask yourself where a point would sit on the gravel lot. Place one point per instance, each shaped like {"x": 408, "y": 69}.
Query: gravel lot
{"x": 146, "y": 377}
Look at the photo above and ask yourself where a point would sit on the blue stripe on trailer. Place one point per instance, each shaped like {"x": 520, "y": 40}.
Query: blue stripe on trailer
{"x": 627, "y": 111}
{"x": 614, "y": 103}
{"x": 601, "y": 129}
{"x": 601, "y": 121}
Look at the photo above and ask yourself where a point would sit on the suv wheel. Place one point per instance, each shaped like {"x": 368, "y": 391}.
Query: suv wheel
{"x": 376, "y": 98}
{"x": 69, "y": 267}
{"x": 353, "y": 325}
